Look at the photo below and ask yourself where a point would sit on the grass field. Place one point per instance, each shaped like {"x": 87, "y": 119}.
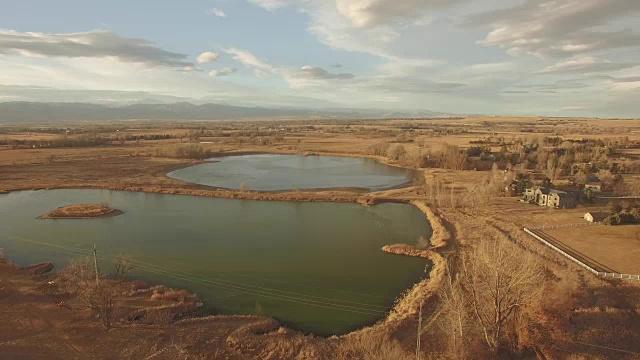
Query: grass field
{"x": 616, "y": 247}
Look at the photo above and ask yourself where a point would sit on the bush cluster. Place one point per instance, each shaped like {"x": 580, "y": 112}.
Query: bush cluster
{"x": 627, "y": 213}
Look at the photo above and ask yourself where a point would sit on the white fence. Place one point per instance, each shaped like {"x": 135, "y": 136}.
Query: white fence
{"x": 548, "y": 227}
{"x": 594, "y": 271}
{"x": 619, "y": 276}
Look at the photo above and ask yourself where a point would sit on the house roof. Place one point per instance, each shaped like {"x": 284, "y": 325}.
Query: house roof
{"x": 598, "y": 215}
{"x": 562, "y": 194}
{"x": 592, "y": 179}
{"x": 548, "y": 191}
{"x": 544, "y": 190}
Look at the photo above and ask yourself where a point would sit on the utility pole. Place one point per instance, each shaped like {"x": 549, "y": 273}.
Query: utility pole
{"x": 95, "y": 263}
{"x": 419, "y": 331}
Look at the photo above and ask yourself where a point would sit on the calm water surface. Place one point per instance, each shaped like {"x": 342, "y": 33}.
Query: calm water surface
{"x": 314, "y": 266}
{"x": 286, "y": 172}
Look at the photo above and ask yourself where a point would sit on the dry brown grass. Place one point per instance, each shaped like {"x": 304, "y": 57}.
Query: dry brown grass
{"x": 81, "y": 211}
{"x": 613, "y": 246}
{"x": 140, "y": 166}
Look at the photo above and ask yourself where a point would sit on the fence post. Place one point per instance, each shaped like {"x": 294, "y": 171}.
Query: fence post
{"x": 592, "y": 270}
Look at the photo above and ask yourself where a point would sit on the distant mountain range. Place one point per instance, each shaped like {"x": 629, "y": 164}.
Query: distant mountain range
{"x": 42, "y": 113}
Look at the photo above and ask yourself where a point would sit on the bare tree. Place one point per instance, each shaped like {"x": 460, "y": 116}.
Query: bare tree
{"x": 478, "y": 197}
{"x": 452, "y": 197}
{"x": 79, "y": 280}
{"x": 455, "y": 314}
{"x": 451, "y": 157}
{"x": 581, "y": 178}
{"x": 122, "y": 267}
{"x": 499, "y": 281}
{"x": 396, "y": 152}
{"x": 417, "y": 158}
{"x": 553, "y": 169}
{"x": 379, "y": 149}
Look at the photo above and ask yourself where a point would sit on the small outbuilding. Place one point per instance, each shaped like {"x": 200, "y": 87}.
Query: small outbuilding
{"x": 596, "y": 217}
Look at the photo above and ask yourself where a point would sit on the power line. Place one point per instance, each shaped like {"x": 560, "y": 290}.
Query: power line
{"x": 154, "y": 269}
{"x": 257, "y": 278}
{"x": 308, "y": 302}
{"x": 165, "y": 269}
{"x": 604, "y": 347}
{"x": 570, "y": 351}
{"x": 256, "y": 286}
{"x": 260, "y": 292}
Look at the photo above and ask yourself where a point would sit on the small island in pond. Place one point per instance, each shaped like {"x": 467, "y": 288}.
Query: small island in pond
{"x": 82, "y": 211}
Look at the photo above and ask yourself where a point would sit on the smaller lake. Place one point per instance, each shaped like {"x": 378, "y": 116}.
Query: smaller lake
{"x": 289, "y": 172}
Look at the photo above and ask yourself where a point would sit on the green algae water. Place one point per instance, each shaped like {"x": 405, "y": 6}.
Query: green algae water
{"x": 316, "y": 267}
{"x": 270, "y": 172}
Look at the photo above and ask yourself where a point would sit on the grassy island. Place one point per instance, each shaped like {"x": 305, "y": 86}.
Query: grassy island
{"x": 82, "y": 211}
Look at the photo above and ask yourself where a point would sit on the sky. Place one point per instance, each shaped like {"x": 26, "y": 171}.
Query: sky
{"x": 492, "y": 57}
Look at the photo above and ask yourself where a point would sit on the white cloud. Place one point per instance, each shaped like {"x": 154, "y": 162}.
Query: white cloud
{"x": 223, "y": 72}
{"x": 92, "y": 44}
{"x": 585, "y": 64}
{"x": 271, "y": 4}
{"x": 207, "y": 57}
{"x": 369, "y": 13}
{"x": 576, "y": 107}
{"x": 385, "y": 28}
{"x": 318, "y": 73}
{"x": 632, "y": 86}
{"x": 627, "y": 79}
{"x": 407, "y": 67}
{"x": 409, "y": 53}
{"x": 312, "y": 76}
{"x": 560, "y": 27}
{"x": 216, "y": 12}
{"x": 628, "y": 83}
{"x": 248, "y": 59}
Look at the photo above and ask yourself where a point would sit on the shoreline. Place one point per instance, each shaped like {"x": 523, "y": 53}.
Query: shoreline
{"x": 405, "y": 304}
{"x": 292, "y": 196}
{"x": 424, "y": 292}
{"x": 343, "y": 194}
{"x": 403, "y": 315}
{"x": 360, "y": 190}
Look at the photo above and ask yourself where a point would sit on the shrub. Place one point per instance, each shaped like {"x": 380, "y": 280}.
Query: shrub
{"x": 396, "y": 152}
{"x": 475, "y": 151}
{"x": 615, "y": 208}
{"x": 193, "y": 152}
{"x": 589, "y": 196}
{"x": 379, "y": 149}
{"x": 612, "y": 220}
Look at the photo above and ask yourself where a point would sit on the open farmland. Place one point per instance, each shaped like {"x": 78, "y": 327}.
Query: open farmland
{"x": 469, "y": 199}
{"x": 615, "y": 247}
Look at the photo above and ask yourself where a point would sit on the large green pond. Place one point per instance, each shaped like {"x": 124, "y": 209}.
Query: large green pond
{"x": 316, "y": 267}
{"x": 286, "y": 172}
